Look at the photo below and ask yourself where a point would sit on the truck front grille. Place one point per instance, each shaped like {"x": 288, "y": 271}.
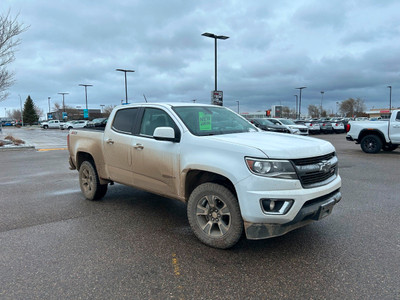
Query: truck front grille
{"x": 316, "y": 171}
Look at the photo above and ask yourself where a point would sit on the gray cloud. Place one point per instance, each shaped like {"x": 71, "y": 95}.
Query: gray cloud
{"x": 347, "y": 49}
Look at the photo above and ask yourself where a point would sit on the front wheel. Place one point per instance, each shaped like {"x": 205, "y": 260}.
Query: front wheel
{"x": 214, "y": 216}
{"x": 90, "y": 183}
{"x": 371, "y": 144}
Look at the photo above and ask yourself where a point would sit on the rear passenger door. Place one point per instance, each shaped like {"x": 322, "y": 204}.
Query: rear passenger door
{"x": 156, "y": 163}
{"x": 118, "y": 145}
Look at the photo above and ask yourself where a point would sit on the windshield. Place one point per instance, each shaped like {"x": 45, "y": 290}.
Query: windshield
{"x": 210, "y": 120}
{"x": 265, "y": 122}
{"x": 287, "y": 122}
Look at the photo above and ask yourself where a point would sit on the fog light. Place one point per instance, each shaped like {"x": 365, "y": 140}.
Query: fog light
{"x": 276, "y": 206}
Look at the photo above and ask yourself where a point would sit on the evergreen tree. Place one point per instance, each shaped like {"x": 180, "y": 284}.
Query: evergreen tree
{"x": 30, "y": 115}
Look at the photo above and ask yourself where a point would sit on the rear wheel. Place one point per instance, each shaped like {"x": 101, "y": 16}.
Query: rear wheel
{"x": 389, "y": 147}
{"x": 371, "y": 144}
{"x": 45, "y": 127}
{"x": 90, "y": 183}
{"x": 214, "y": 216}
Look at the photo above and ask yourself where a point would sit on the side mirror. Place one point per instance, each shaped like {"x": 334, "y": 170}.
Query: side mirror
{"x": 164, "y": 134}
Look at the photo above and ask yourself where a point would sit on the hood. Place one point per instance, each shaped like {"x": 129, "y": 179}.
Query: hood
{"x": 278, "y": 145}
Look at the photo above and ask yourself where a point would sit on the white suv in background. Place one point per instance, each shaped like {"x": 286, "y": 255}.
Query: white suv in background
{"x": 292, "y": 126}
{"x": 74, "y": 124}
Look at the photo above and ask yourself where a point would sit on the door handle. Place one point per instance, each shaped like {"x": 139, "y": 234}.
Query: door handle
{"x": 138, "y": 146}
{"x": 110, "y": 141}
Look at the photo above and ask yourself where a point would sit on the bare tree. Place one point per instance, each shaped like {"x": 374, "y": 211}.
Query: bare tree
{"x": 107, "y": 110}
{"x": 9, "y": 30}
{"x": 313, "y": 111}
{"x": 352, "y": 107}
{"x": 14, "y": 114}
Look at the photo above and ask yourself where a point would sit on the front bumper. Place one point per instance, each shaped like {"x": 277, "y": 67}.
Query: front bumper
{"x": 313, "y": 210}
{"x": 260, "y": 224}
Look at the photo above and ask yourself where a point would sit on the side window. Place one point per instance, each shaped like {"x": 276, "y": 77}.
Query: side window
{"x": 398, "y": 116}
{"x": 124, "y": 120}
{"x": 153, "y": 118}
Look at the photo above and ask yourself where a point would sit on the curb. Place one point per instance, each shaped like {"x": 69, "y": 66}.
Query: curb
{"x": 16, "y": 148}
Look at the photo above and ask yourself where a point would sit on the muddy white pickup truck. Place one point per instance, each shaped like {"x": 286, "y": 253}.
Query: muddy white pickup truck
{"x": 374, "y": 136}
{"x": 232, "y": 176}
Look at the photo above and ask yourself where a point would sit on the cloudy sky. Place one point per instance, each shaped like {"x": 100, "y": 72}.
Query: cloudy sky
{"x": 345, "y": 48}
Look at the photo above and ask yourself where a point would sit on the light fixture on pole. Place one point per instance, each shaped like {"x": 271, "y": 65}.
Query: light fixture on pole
{"x": 63, "y": 100}
{"x": 322, "y": 98}
{"x": 86, "y": 85}
{"x": 300, "y": 88}
{"x": 215, "y": 37}
{"x": 126, "y": 85}
{"x": 390, "y": 99}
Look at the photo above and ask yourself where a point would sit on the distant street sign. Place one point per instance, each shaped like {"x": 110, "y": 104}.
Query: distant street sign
{"x": 217, "y": 98}
{"x": 64, "y": 115}
{"x": 85, "y": 113}
{"x": 49, "y": 116}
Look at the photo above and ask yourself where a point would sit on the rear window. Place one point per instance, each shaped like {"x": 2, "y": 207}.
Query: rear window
{"x": 124, "y": 120}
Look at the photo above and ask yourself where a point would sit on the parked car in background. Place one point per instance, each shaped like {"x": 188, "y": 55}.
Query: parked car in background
{"x": 326, "y": 126}
{"x": 338, "y": 126}
{"x": 267, "y": 125}
{"x": 313, "y": 126}
{"x": 292, "y": 126}
{"x": 74, "y": 124}
{"x": 99, "y": 122}
{"x": 52, "y": 124}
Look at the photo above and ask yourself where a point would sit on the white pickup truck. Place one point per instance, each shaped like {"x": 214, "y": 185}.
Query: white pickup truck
{"x": 232, "y": 176}
{"x": 52, "y": 124}
{"x": 376, "y": 135}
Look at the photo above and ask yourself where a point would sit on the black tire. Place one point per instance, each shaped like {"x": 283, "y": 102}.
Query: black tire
{"x": 45, "y": 127}
{"x": 70, "y": 127}
{"x": 371, "y": 144}
{"x": 389, "y": 147}
{"x": 214, "y": 216}
{"x": 90, "y": 183}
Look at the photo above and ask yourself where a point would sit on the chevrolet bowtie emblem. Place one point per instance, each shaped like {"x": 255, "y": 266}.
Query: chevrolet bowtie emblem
{"x": 324, "y": 166}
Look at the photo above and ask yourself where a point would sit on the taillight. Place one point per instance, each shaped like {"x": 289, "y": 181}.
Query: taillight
{"x": 348, "y": 127}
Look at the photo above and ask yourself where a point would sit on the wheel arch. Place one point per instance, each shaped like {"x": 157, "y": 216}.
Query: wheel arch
{"x": 366, "y": 132}
{"x": 83, "y": 156}
{"x": 194, "y": 178}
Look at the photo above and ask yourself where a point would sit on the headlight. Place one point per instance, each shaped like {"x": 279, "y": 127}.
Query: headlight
{"x": 271, "y": 168}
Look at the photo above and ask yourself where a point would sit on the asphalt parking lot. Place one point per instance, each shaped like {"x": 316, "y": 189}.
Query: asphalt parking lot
{"x": 134, "y": 245}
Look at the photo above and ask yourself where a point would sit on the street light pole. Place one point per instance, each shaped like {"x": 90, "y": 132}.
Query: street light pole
{"x": 390, "y": 99}
{"x": 300, "y": 88}
{"x": 48, "y": 100}
{"x": 322, "y": 98}
{"x": 238, "y": 105}
{"x": 215, "y": 37}
{"x": 126, "y": 84}
{"x": 297, "y": 98}
{"x": 63, "y": 100}
{"x": 86, "y": 85}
